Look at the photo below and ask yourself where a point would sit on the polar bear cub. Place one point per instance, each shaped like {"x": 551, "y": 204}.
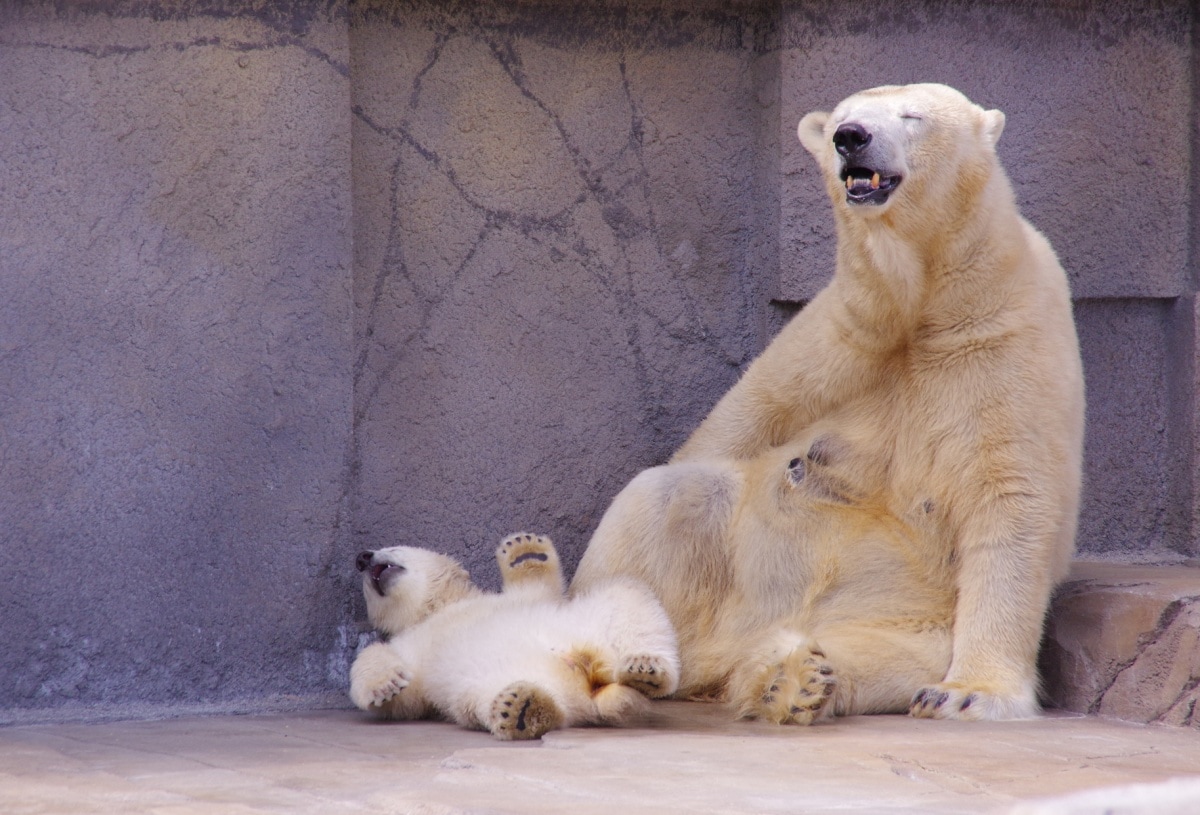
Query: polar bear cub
{"x": 873, "y": 518}
{"x": 518, "y": 663}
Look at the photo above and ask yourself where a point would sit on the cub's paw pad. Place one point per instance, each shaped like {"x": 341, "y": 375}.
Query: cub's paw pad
{"x": 527, "y": 553}
{"x": 379, "y": 686}
{"x": 950, "y": 700}
{"x": 523, "y": 711}
{"x": 799, "y": 689}
{"x": 649, "y": 675}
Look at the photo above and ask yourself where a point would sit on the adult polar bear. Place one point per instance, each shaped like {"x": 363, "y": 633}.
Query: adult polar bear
{"x": 873, "y": 518}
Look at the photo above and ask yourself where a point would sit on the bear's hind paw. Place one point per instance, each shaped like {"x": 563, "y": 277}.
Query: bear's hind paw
{"x": 797, "y": 690}
{"x": 649, "y": 675}
{"x": 523, "y": 711}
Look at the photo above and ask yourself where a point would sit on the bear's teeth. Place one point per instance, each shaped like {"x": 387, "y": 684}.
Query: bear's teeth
{"x": 875, "y": 181}
{"x": 849, "y": 182}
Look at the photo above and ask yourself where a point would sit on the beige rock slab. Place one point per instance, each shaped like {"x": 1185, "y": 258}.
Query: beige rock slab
{"x": 1124, "y": 641}
{"x": 682, "y": 758}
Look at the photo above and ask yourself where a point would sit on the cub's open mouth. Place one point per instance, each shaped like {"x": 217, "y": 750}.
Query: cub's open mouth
{"x": 378, "y": 572}
{"x": 867, "y": 186}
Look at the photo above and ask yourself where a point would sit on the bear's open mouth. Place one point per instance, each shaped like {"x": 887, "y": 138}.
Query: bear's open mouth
{"x": 867, "y": 186}
{"x": 378, "y": 572}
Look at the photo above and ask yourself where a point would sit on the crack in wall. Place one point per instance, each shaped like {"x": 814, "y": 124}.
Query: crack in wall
{"x": 217, "y": 42}
{"x": 507, "y": 57}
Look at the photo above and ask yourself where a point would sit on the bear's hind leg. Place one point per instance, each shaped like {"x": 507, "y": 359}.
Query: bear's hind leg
{"x": 529, "y": 561}
{"x": 785, "y": 680}
{"x": 523, "y": 711}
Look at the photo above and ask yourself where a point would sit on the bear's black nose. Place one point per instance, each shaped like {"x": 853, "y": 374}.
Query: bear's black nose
{"x": 850, "y": 138}
{"x": 363, "y": 561}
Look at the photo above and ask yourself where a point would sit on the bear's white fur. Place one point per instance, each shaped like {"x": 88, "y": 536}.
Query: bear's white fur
{"x": 518, "y": 663}
{"x": 873, "y": 518}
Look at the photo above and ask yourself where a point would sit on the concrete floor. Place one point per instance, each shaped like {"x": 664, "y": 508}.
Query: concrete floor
{"x": 682, "y": 758}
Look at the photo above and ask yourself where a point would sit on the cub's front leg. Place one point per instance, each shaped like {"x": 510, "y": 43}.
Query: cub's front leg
{"x": 380, "y": 683}
{"x": 530, "y": 561}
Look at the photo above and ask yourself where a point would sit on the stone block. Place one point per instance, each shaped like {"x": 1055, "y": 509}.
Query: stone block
{"x": 1124, "y": 641}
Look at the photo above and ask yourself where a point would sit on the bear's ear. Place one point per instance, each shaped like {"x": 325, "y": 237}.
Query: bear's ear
{"x": 812, "y": 133}
{"x": 993, "y": 125}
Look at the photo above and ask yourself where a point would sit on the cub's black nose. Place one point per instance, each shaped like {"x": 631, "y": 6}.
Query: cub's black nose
{"x": 363, "y": 561}
{"x": 850, "y": 138}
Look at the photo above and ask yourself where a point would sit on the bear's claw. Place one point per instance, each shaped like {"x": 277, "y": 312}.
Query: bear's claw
{"x": 376, "y": 677}
{"x": 649, "y": 675}
{"x": 798, "y": 690}
{"x": 951, "y": 700}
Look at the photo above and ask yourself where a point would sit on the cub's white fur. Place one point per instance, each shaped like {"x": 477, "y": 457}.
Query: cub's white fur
{"x": 518, "y": 663}
{"x": 873, "y": 518}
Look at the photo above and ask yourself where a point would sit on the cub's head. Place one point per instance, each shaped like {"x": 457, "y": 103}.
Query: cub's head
{"x": 403, "y": 585}
{"x": 898, "y": 145}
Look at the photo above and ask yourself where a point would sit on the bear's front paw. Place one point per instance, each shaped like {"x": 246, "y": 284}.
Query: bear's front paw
{"x": 376, "y": 676}
{"x": 529, "y": 559}
{"x": 649, "y": 675}
{"x": 366, "y": 695}
{"x": 957, "y": 700}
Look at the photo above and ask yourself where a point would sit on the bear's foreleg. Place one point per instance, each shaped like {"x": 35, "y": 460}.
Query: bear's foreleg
{"x": 808, "y": 370}
{"x": 1004, "y": 584}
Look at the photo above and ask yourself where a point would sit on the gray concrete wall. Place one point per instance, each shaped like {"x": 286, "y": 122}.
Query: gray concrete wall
{"x": 175, "y": 356}
{"x": 284, "y": 280}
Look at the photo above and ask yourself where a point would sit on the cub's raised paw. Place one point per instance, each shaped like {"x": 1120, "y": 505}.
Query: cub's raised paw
{"x": 529, "y": 559}
{"x": 523, "y": 711}
{"x": 376, "y": 677}
{"x": 651, "y": 676}
{"x": 798, "y": 690}
{"x": 954, "y": 700}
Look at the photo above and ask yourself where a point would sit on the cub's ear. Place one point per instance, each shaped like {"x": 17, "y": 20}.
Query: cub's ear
{"x": 812, "y": 133}
{"x": 993, "y": 126}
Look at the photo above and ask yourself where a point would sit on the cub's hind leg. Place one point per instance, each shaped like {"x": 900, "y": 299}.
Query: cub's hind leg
{"x": 635, "y": 632}
{"x": 529, "y": 561}
{"x": 523, "y": 711}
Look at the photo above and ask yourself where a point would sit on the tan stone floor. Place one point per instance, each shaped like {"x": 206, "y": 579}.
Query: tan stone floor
{"x": 682, "y": 758}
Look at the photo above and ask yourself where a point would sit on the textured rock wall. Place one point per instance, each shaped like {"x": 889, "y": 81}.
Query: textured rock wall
{"x": 287, "y": 279}
{"x": 564, "y": 251}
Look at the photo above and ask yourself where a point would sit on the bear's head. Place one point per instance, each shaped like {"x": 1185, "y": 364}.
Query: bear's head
{"x": 897, "y": 145}
{"x": 404, "y": 584}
